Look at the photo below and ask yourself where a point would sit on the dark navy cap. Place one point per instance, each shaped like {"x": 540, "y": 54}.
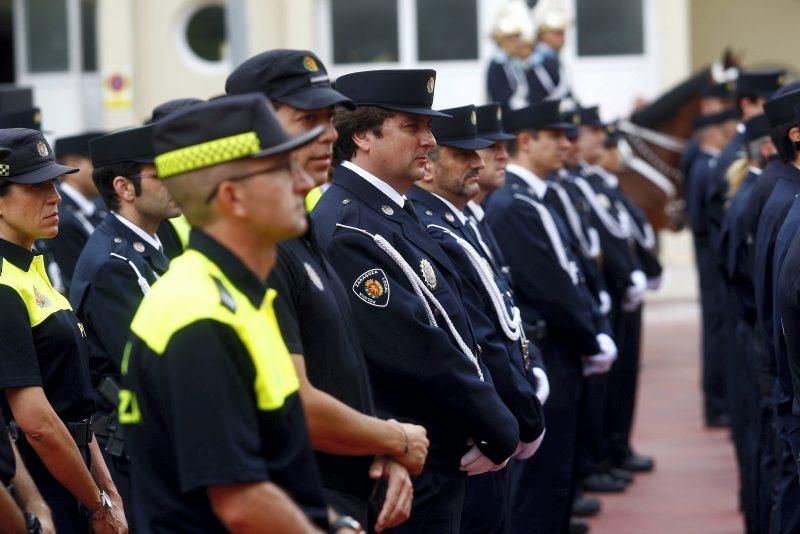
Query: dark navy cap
{"x": 4, "y": 152}
{"x": 780, "y": 108}
{"x": 590, "y": 116}
{"x": 459, "y": 130}
{"x": 760, "y": 82}
{"x": 542, "y": 115}
{"x": 490, "y": 123}
{"x": 757, "y": 127}
{"x": 29, "y": 118}
{"x": 294, "y": 77}
{"x": 613, "y": 134}
{"x": 171, "y": 106}
{"x": 221, "y": 130}
{"x": 408, "y": 90}
{"x": 131, "y": 145}
{"x": 15, "y": 98}
{"x": 711, "y": 119}
{"x": 75, "y": 144}
{"x": 719, "y": 90}
{"x": 31, "y": 159}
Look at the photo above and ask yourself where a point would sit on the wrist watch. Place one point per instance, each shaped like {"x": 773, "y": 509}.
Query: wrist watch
{"x": 105, "y": 505}
{"x": 344, "y": 521}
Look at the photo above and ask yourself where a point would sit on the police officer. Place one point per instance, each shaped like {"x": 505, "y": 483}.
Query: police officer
{"x": 548, "y": 287}
{"x": 440, "y": 200}
{"x": 80, "y": 213}
{"x": 317, "y": 323}
{"x": 43, "y": 367}
{"x": 206, "y": 364}
{"x": 507, "y": 77}
{"x": 404, "y": 287}
{"x": 119, "y": 263}
{"x": 547, "y": 77}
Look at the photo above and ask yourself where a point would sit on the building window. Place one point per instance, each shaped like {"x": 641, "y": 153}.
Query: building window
{"x": 89, "y": 35}
{"x": 447, "y": 30}
{"x": 46, "y": 35}
{"x": 205, "y": 33}
{"x": 364, "y": 31}
{"x": 610, "y": 28}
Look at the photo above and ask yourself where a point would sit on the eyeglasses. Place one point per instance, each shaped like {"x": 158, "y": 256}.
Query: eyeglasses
{"x": 283, "y": 165}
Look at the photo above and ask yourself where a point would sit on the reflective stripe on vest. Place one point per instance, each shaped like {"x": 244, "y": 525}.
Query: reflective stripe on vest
{"x": 34, "y": 287}
{"x": 182, "y": 228}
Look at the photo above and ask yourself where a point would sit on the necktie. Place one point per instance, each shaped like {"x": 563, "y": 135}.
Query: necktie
{"x": 409, "y": 208}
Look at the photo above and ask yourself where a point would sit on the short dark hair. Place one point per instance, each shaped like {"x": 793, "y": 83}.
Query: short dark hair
{"x": 780, "y": 138}
{"x": 512, "y": 146}
{"x": 350, "y": 121}
{"x": 103, "y": 178}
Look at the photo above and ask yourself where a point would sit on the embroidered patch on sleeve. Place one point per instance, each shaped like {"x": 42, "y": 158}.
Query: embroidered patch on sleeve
{"x": 373, "y": 288}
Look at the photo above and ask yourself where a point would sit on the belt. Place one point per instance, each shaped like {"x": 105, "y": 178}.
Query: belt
{"x": 81, "y": 431}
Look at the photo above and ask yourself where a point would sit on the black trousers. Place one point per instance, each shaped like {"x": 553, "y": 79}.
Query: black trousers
{"x": 592, "y": 454}
{"x": 438, "y": 501}
{"x": 785, "y": 517}
{"x": 542, "y": 487}
{"x": 485, "y": 503}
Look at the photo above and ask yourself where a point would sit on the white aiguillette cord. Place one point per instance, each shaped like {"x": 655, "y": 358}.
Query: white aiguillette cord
{"x": 589, "y": 244}
{"x": 510, "y": 325}
{"x": 422, "y": 292}
{"x": 619, "y": 229}
{"x": 144, "y": 285}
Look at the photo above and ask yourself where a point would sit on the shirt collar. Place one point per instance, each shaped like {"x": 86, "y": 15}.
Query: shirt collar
{"x": 379, "y": 184}
{"x": 756, "y": 170}
{"x": 538, "y": 185}
{"x": 477, "y": 210}
{"x": 709, "y": 151}
{"x": 457, "y": 212}
{"x": 152, "y": 240}
{"x": 85, "y": 205}
{"x": 17, "y": 255}
{"x": 232, "y": 267}
{"x": 741, "y": 128}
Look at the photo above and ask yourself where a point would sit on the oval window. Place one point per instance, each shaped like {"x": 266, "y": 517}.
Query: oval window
{"x": 206, "y": 35}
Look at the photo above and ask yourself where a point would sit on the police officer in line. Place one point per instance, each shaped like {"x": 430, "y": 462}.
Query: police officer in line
{"x": 318, "y": 325}
{"x": 440, "y": 200}
{"x": 80, "y": 211}
{"x": 547, "y": 77}
{"x": 507, "y": 77}
{"x": 119, "y": 263}
{"x": 549, "y": 286}
{"x": 404, "y": 287}
{"x": 43, "y": 367}
{"x": 206, "y": 363}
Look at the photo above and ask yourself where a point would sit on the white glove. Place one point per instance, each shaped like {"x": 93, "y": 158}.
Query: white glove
{"x": 605, "y": 302}
{"x": 601, "y": 362}
{"x": 654, "y": 283}
{"x": 475, "y": 463}
{"x": 542, "y": 384}
{"x": 634, "y": 294}
{"x": 607, "y": 345}
{"x": 526, "y": 450}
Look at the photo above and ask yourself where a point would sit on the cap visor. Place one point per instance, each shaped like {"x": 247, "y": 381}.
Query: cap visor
{"x": 470, "y": 143}
{"x": 414, "y": 110}
{"x": 316, "y": 98}
{"x": 43, "y": 174}
{"x": 292, "y": 143}
{"x": 557, "y": 126}
{"x": 145, "y": 159}
{"x": 497, "y": 136}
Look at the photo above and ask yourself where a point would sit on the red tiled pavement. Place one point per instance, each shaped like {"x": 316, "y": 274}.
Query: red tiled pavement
{"x": 693, "y": 489}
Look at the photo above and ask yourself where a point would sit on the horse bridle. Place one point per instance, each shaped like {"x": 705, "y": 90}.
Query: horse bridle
{"x": 652, "y": 166}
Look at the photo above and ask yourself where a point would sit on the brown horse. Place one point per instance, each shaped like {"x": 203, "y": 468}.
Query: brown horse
{"x": 652, "y": 146}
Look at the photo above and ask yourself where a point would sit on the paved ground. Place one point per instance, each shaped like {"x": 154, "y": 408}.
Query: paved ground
{"x": 693, "y": 489}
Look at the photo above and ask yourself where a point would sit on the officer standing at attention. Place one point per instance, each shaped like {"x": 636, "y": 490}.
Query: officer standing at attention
{"x": 440, "y": 199}
{"x": 507, "y": 77}
{"x": 205, "y": 363}
{"x": 317, "y": 323}
{"x": 119, "y": 263}
{"x": 79, "y": 213}
{"x": 549, "y": 287}
{"x": 43, "y": 369}
{"x": 547, "y": 77}
{"x": 422, "y": 355}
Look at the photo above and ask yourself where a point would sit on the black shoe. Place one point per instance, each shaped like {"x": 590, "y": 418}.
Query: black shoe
{"x": 718, "y": 421}
{"x": 603, "y": 483}
{"x": 637, "y": 463}
{"x": 578, "y": 526}
{"x": 586, "y": 506}
{"x": 621, "y": 474}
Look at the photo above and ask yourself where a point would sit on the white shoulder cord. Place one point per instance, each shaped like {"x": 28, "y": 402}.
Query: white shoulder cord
{"x": 644, "y": 235}
{"x": 423, "y": 293}
{"x": 143, "y": 283}
{"x": 88, "y": 226}
{"x": 555, "y": 239}
{"x": 589, "y": 244}
{"x": 619, "y": 229}
{"x": 509, "y": 324}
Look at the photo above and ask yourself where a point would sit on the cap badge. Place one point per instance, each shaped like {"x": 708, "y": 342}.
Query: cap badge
{"x": 499, "y": 114}
{"x": 731, "y": 86}
{"x": 138, "y": 247}
{"x": 387, "y": 210}
{"x": 611, "y": 128}
{"x": 781, "y": 79}
{"x": 5, "y": 170}
{"x": 41, "y": 299}
{"x": 431, "y": 85}
{"x": 428, "y": 274}
{"x": 310, "y": 64}
{"x": 313, "y": 276}
{"x": 473, "y": 117}
{"x": 42, "y": 149}
{"x": 373, "y": 288}
{"x": 576, "y": 119}
{"x": 449, "y": 217}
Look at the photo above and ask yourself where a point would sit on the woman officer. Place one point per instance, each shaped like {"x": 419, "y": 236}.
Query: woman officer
{"x": 44, "y": 373}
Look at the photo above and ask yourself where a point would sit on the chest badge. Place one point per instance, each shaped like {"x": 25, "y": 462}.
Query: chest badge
{"x": 387, "y": 210}
{"x": 42, "y": 300}
{"x": 449, "y": 217}
{"x": 313, "y": 276}
{"x": 138, "y": 247}
{"x": 428, "y": 274}
{"x": 373, "y": 288}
